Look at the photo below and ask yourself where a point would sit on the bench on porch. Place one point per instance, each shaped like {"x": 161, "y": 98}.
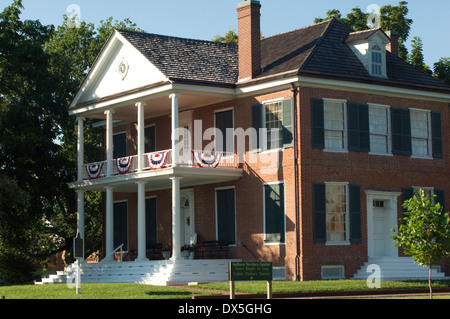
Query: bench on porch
{"x": 212, "y": 249}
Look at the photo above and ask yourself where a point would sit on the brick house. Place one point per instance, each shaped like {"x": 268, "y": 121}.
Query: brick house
{"x": 324, "y": 133}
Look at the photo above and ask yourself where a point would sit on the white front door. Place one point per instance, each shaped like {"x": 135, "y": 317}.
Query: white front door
{"x": 382, "y": 217}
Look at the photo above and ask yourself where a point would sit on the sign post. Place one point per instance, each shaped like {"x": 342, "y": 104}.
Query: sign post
{"x": 78, "y": 252}
{"x": 250, "y": 271}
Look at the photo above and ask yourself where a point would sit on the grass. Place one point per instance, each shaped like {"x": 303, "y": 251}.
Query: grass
{"x": 137, "y": 291}
{"x": 97, "y": 291}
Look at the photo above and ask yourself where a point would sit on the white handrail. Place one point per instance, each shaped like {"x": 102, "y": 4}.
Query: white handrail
{"x": 114, "y": 251}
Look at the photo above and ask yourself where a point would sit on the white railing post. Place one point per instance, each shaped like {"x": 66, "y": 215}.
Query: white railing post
{"x": 175, "y": 137}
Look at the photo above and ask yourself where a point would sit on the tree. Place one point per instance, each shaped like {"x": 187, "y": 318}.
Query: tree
{"x": 416, "y": 57}
{"x": 392, "y": 18}
{"x": 424, "y": 232}
{"x": 442, "y": 70}
{"x": 41, "y": 69}
{"x": 229, "y": 37}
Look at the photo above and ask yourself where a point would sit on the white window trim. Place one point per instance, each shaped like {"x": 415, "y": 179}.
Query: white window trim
{"x": 430, "y": 136}
{"x": 345, "y": 242}
{"x": 215, "y": 213}
{"x": 345, "y": 133}
{"x": 264, "y": 213}
{"x": 389, "y": 129}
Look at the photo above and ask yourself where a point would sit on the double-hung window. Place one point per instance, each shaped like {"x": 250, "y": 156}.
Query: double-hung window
{"x": 335, "y": 125}
{"x": 337, "y": 213}
{"x": 379, "y": 122}
{"x": 274, "y": 124}
{"x": 421, "y": 133}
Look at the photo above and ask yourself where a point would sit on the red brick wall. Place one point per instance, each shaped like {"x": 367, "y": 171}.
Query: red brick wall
{"x": 370, "y": 171}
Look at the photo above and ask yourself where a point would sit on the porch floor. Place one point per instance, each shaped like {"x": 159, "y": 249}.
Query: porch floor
{"x": 152, "y": 272}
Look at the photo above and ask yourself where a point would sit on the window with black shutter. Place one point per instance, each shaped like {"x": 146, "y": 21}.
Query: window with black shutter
{"x": 226, "y": 215}
{"x": 318, "y": 132}
{"x": 276, "y": 118}
{"x": 274, "y": 214}
{"x": 436, "y": 123}
{"x": 358, "y": 127}
{"x": 401, "y": 131}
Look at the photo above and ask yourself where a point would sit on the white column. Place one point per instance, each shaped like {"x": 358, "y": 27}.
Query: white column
{"x": 176, "y": 219}
{"x": 142, "y": 249}
{"x": 109, "y": 142}
{"x": 175, "y": 137}
{"x": 141, "y": 135}
{"x": 80, "y": 215}
{"x": 109, "y": 223}
{"x": 80, "y": 148}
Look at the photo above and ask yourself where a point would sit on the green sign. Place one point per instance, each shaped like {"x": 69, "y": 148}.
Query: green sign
{"x": 250, "y": 271}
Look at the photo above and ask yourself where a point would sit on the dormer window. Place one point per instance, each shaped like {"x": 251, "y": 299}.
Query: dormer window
{"x": 377, "y": 61}
{"x": 370, "y": 48}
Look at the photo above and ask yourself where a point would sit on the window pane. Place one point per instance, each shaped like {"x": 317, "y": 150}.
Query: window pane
{"x": 274, "y": 124}
{"x": 420, "y": 133}
{"x": 334, "y": 124}
{"x": 379, "y": 131}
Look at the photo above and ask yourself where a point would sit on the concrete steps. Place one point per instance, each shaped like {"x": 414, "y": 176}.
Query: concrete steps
{"x": 398, "y": 268}
{"x": 161, "y": 272}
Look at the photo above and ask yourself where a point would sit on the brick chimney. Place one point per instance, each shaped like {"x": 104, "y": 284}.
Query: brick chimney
{"x": 393, "y": 46}
{"x": 249, "y": 16}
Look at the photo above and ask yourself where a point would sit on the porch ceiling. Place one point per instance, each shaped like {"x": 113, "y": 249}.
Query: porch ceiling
{"x": 160, "y": 179}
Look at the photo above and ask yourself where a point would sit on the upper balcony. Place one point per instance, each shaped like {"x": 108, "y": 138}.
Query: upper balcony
{"x": 195, "y": 168}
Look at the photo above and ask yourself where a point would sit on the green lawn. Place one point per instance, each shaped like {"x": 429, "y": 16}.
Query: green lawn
{"x": 137, "y": 291}
{"x": 97, "y": 291}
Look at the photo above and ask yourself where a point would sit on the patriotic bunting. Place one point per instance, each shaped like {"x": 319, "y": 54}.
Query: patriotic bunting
{"x": 124, "y": 164}
{"x": 207, "y": 159}
{"x": 94, "y": 170}
{"x": 157, "y": 160}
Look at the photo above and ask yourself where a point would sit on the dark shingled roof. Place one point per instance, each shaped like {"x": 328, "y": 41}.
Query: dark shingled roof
{"x": 187, "y": 59}
{"x": 317, "y": 50}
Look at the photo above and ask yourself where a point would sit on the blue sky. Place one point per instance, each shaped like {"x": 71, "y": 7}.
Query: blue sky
{"x": 205, "y": 19}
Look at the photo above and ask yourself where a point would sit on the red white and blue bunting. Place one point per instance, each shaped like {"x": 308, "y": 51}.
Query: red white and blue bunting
{"x": 124, "y": 164}
{"x": 157, "y": 160}
{"x": 94, "y": 170}
{"x": 207, "y": 159}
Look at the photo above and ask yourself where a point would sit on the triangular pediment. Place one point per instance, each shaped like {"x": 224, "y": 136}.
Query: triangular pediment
{"x": 119, "y": 68}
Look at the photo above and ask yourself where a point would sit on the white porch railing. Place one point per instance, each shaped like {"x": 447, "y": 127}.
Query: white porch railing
{"x": 159, "y": 160}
